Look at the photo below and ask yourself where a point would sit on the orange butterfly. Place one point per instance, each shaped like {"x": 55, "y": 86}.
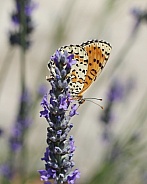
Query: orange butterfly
{"x": 91, "y": 58}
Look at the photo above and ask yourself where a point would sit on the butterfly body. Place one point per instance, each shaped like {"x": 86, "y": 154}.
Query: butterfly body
{"x": 91, "y": 58}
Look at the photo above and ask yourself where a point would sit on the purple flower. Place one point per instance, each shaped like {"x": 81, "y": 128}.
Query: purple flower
{"x": 42, "y": 90}
{"x": 71, "y": 143}
{"x": 63, "y": 103}
{"x": 46, "y": 155}
{"x": 73, "y": 111}
{"x": 73, "y": 176}
{"x": 16, "y": 138}
{"x": 45, "y": 104}
{"x": 23, "y": 26}
{"x": 46, "y": 175}
{"x": 22, "y": 123}
{"x": 6, "y": 171}
{"x": 116, "y": 91}
{"x": 71, "y": 61}
{"x": 59, "y": 153}
{"x": 139, "y": 16}
{"x": 1, "y": 131}
{"x": 44, "y": 113}
{"x": 26, "y": 97}
{"x": 30, "y": 7}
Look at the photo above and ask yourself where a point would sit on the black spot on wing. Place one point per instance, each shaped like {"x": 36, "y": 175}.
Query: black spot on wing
{"x": 93, "y": 72}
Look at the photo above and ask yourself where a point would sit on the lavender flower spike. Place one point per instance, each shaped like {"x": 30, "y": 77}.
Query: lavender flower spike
{"x": 23, "y": 25}
{"x": 58, "y": 111}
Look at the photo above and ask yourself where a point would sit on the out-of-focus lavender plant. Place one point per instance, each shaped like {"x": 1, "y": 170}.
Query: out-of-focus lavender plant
{"x": 140, "y": 17}
{"x": 23, "y": 25}
{"x": 116, "y": 93}
{"x": 113, "y": 167}
{"x": 16, "y": 141}
{"x": 21, "y": 124}
{"x": 58, "y": 111}
{"x": 17, "y": 135}
{"x": 1, "y": 132}
{"x": 42, "y": 90}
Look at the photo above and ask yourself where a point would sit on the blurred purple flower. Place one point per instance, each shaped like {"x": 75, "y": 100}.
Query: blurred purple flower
{"x": 140, "y": 16}
{"x": 22, "y": 123}
{"x": 21, "y": 18}
{"x": 6, "y": 171}
{"x": 25, "y": 97}
{"x": 16, "y": 138}
{"x": 42, "y": 90}
{"x": 116, "y": 91}
{"x": 30, "y": 6}
{"x": 1, "y": 131}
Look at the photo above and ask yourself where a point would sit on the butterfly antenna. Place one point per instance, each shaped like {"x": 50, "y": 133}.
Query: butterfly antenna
{"x": 100, "y": 99}
{"x": 89, "y": 100}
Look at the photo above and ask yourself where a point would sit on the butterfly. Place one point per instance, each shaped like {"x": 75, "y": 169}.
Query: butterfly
{"x": 91, "y": 58}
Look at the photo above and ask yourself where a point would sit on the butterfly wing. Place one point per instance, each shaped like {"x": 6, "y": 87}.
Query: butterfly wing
{"x": 78, "y": 71}
{"x": 98, "y": 53}
{"x": 91, "y": 58}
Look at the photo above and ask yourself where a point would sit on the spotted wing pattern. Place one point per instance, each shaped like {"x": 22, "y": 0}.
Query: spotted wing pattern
{"x": 98, "y": 53}
{"x": 91, "y": 58}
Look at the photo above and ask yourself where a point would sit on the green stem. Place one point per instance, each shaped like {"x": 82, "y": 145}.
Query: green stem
{"x": 23, "y": 83}
{"x": 5, "y": 67}
{"x": 23, "y": 43}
